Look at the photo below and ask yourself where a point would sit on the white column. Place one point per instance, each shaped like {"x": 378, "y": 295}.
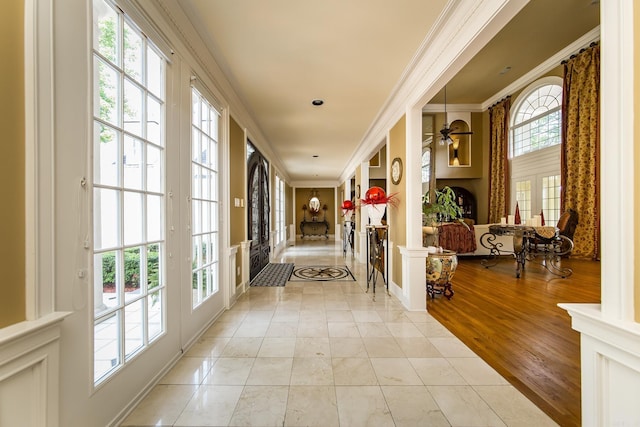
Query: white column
{"x": 364, "y": 217}
{"x": 609, "y": 335}
{"x": 414, "y": 295}
{"x": 246, "y": 261}
{"x": 230, "y": 296}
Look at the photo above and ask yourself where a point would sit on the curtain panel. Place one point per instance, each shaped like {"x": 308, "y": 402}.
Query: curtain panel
{"x": 498, "y": 160}
{"x": 580, "y": 177}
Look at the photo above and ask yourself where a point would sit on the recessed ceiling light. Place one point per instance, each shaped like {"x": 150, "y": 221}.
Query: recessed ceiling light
{"x": 505, "y": 70}
{"x": 315, "y": 156}
{"x": 317, "y": 102}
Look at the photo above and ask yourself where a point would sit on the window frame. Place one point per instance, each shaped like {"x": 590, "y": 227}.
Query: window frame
{"x": 200, "y": 295}
{"x": 518, "y": 104}
{"x": 142, "y": 187}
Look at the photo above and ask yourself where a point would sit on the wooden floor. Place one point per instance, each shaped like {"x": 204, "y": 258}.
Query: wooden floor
{"x": 517, "y": 328}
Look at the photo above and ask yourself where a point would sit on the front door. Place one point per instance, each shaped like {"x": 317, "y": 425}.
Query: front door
{"x": 258, "y": 179}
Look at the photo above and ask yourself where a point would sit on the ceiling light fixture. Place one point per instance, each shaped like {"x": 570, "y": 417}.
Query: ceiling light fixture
{"x": 505, "y": 70}
{"x": 317, "y": 102}
{"x": 315, "y": 156}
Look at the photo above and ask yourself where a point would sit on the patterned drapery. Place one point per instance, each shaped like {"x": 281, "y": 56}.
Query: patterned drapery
{"x": 499, "y": 162}
{"x": 581, "y": 148}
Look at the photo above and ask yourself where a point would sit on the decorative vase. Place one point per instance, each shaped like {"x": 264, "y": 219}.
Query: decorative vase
{"x": 440, "y": 268}
{"x": 376, "y": 212}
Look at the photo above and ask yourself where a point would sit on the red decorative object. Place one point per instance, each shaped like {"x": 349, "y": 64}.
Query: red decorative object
{"x": 348, "y": 205}
{"x": 377, "y": 196}
{"x": 517, "y": 219}
{"x": 541, "y": 217}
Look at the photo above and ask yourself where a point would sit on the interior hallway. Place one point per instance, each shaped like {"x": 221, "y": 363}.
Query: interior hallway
{"x": 326, "y": 354}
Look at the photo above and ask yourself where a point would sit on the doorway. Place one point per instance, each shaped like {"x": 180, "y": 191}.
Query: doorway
{"x": 258, "y": 209}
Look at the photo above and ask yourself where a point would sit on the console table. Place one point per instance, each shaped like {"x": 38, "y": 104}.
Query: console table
{"x": 314, "y": 228}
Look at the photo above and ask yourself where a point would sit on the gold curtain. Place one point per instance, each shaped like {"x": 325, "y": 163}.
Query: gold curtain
{"x": 499, "y": 162}
{"x": 581, "y": 148}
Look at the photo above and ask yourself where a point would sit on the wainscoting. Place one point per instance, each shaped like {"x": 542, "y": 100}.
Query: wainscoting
{"x": 29, "y": 372}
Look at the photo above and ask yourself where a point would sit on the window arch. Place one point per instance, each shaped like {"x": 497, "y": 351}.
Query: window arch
{"x": 536, "y": 119}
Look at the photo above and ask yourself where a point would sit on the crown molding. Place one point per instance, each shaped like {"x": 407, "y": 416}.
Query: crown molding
{"x": 544, "y": 67}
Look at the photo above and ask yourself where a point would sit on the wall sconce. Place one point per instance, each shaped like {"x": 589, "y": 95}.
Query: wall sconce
{"x": 459, "y": 152}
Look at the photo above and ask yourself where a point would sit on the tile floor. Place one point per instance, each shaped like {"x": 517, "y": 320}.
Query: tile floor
{"x": 325, "y": 354}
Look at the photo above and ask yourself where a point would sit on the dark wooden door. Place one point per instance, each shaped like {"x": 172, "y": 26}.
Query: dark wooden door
{"x": 258, "y": 169}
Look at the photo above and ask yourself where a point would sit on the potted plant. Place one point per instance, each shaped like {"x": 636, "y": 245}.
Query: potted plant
{"x": 443, "y": 209}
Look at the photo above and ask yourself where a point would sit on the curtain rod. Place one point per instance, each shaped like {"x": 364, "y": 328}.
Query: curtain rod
{"x": 581, "y": 50}
{"x": 502, "y": 100}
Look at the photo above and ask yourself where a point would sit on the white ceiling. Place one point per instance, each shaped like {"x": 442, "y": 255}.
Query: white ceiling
{"x": 281, "y": 54}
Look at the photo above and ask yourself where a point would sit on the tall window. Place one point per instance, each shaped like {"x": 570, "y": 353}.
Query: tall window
{"x": 204, "y": 198}
{"x": 535, "y": 150}
{"x": 128, "y": 190}
{"x": 280, "y": 217}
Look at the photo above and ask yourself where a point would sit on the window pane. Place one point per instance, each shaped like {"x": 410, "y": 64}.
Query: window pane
{"x": 132, "y": 218}
{"x": 106, "y": 270}
{"x": 107, "y": 103}
{"x": 551, "y": 199}
{"x": 523, "y": 198}
{"x": 106, "y": 354}
{"x": 154, "y": 169}
{"x": 132, "y": 53}
{"x": 106, "y": 211}
{"x": 133, "y": 318}
{"x": 133, "y": 161}
{"x": 105, "y": 157}
{"x": 132, "y": 108}
{"x": 155, "y": 73}
{"x": 153, "y": 121}
{"x": 106, "y": 31}
{"x": 196, "y": 186}
{"x": 153, "y": 266}
{"x": 155, "y": 223}
{"x": 154, "y": 314}
{"x": 206, "y": 216}
{"x": 196, "y": 216}
{"x": 132, "y": 273}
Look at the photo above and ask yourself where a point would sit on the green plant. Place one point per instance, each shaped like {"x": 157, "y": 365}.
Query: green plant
{"x": 444, "y": 208}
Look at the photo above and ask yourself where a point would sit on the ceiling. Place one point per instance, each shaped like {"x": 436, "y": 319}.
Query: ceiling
{"x": 281, "y": 54}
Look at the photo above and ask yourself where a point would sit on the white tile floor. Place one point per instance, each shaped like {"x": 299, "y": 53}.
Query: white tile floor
{"x": 325, "y": 354}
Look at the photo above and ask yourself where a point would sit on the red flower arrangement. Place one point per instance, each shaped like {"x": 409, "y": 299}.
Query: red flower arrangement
{"x": 377, "y": 196}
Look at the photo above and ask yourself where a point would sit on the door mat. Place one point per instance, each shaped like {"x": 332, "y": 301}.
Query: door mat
{"x": 322, "y": 273}
{"x": 273, "y": 275}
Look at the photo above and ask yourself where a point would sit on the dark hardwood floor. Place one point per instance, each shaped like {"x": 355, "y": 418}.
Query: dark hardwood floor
{"x": 516, "y": 326}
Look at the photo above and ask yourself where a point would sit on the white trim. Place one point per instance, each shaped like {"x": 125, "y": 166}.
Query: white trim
{"x": 39, "y": 159}
{"x": 463, "y": 29}
{"x": 617, "y": 164}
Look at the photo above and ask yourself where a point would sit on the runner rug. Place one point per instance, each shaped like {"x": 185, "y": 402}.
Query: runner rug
{"x": 273, "y": 275}
{"x": 322, "y": 273}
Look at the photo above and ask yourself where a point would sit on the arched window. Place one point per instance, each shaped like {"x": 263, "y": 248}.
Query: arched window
{"x": 537, "y": 120}
{"x": 536, "y": 123}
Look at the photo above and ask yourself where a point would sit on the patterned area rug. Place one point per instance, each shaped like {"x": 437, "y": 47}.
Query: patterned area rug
{"x": 273, "y": 275}
{"x": 322, "y": 273}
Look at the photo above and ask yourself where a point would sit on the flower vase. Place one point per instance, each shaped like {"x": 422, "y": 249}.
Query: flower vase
{"x": 376, "y": 212}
